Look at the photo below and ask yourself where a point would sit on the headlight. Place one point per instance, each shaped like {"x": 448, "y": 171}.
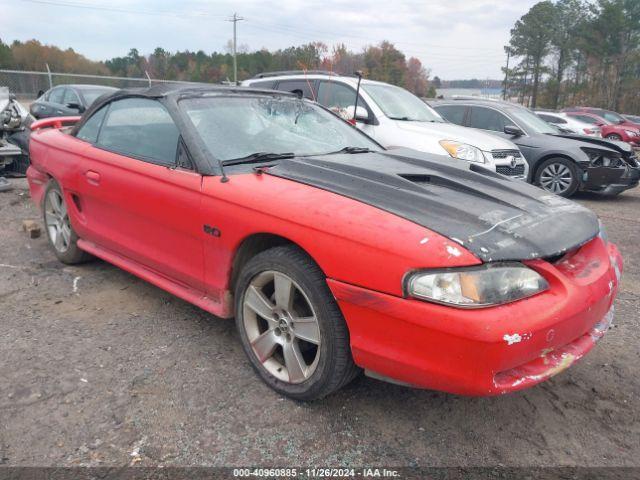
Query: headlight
{"x": 631, "y": 133}
{"x": 463, "y": 151}
{"x": 492, "y": 284}
{"x": 603, "y": 158}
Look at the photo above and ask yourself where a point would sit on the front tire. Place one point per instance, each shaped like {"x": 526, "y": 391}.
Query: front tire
{"x": 60, "y": 233}
{"x": 290, "y": 325}
{"x": 614, "y": 136}
{"x": 559, "y": 176}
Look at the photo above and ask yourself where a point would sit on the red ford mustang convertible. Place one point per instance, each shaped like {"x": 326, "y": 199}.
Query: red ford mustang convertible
{"x": 333, "y": 254}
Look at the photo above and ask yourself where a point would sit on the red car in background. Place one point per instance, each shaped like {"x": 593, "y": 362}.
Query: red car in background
{"x": 333, "y": 254}
{"x": 612, "y": 131}
{"x": 613, "y": 117}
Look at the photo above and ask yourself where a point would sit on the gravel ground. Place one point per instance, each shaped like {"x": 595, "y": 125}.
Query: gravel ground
{"x": 101, "y": 368}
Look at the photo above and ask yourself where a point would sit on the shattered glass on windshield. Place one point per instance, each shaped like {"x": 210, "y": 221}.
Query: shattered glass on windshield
{"x": 235, "y": 127}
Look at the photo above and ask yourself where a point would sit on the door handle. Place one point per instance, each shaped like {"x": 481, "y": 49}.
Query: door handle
{"x": 92, "y": 177}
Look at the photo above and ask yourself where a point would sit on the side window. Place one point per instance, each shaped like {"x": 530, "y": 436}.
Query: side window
{"x": 488, "y": 119}
{"x": 56, "y": 95}
{"x": 297, "y": 86}
{"x": 266, "y": 84}
{"x": 552, "y": 119}
{"x": 89, "y": 131}
{"x": 142, "y": 128}
{"x": 453, "y": 113}
{"x": 584, "y": 118}
{"x": 70, "y": 97}
{"x": 336, "y": 96}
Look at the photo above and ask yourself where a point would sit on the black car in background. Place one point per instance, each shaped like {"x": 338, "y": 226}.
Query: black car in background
{"x": 67, "y": 100}
{"x": 560, "y": 163}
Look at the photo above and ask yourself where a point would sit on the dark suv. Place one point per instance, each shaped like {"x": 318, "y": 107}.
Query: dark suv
{"x": 559, "y": 163}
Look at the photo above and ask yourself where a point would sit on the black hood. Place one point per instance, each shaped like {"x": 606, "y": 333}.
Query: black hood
{"x": 620, "y": 147}
{"x": 495, "y": 217}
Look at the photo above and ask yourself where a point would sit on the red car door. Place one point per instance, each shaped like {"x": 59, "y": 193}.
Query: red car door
{"x": 134, "y": 198}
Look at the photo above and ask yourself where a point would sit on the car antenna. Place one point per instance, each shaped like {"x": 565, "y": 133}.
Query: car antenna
{"x": 357, "y": 73}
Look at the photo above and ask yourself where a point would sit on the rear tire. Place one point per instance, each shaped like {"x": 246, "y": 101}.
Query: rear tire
{"x": 62, "y": 238}
{"x": 290, "y": 325}
{"x": 559, "y": 176}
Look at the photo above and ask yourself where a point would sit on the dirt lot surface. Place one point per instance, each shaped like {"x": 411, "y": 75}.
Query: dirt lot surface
{"x": 100, "y": 368}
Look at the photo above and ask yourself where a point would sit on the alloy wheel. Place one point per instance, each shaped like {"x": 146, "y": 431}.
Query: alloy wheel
{"x": 281, "y": 326}
{"x": 556, "y": 178}
{"x": 57, "y": 221}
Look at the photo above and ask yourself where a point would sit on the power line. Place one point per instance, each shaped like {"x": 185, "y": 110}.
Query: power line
{"x": 107, "y": 8}
{"x": 265, "y": 25}
{"x": 362, "y": 37}
{"x": 467, "y": 60}
{"x": 435, "y": 55}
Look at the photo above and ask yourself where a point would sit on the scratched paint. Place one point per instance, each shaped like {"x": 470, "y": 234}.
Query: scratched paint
{"x": 453, "y": 251}
{"x": 550, "y": 362}
{"x": 511, "y": 339}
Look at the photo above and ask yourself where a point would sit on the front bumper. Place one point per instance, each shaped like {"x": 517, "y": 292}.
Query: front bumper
{"x": 492, "y": 350}
{"x": 610, "y": 181}
{"x": 508, "y": 163}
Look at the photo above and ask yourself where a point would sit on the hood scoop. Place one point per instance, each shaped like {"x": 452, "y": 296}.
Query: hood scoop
{"x": 495, "y": 217}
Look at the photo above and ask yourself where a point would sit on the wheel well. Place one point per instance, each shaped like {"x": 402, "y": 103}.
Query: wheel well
{"x": 549, "y": 157}
{"x": 250, "y": 247}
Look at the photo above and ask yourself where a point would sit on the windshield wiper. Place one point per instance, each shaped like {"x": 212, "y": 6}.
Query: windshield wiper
{"x": 258, "y": 157}
{"x": 403, "y": 119}
{"x": 350, "y": 150}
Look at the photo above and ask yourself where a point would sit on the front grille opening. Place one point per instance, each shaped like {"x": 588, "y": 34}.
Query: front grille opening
{"x": 497, "y": 154}
{"x": 510, "y": 171}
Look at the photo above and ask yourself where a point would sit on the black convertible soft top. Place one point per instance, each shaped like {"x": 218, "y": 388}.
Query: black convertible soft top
{"x": 171, "y": 91}
{"x": 169, "y": 94}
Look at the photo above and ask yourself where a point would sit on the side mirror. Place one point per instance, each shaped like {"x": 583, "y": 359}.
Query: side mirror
{"x": 513, "y": 131}
{"x": 361, "y": 113}
{"x": 75, "y": 106}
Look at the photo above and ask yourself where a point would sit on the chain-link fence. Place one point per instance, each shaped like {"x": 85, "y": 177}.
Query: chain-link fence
{"x": 29, "y": 85}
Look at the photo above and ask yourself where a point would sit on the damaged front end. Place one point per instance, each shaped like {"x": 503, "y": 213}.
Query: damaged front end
{"x": 14, "y": 134}
{"x": 609, "y": 168}
{"x": 541, "y": 297}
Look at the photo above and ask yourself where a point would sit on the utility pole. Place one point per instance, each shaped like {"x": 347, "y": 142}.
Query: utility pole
{"x": 235, "y": 19}
{"x": 506, "y": 75}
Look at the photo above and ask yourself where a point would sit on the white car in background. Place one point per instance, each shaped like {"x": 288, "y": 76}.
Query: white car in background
{"x": 394, "y": 117}
{"x": 568, "y": 123}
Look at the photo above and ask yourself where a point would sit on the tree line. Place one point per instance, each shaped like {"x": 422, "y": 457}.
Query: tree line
{"x": 577, "y": 52}
{"x": 382, "y": 62}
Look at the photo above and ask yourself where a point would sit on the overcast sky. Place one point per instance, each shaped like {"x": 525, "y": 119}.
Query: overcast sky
{"x": 453, "y": 38}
